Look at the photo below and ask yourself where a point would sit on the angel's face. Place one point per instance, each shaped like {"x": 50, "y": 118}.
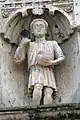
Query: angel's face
{"x": 39, "y": 29}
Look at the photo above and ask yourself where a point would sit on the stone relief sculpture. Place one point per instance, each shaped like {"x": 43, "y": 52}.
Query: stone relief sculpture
{"x": 42, "y": 56}
{"x": 42, "y": 52}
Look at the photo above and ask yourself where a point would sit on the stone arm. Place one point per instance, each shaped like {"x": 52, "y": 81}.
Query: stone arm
{"x": 57, "y": 61}
{"x": 59, "y": 56}
{"x": 20, "y": 53}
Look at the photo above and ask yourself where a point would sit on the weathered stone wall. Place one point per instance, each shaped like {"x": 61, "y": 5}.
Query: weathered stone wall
{"x": 67, "y": 73}
{"x": 12, "y": 78}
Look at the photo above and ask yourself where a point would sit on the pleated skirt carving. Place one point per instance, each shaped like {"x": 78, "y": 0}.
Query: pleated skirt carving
{"x": 42, "y": 75}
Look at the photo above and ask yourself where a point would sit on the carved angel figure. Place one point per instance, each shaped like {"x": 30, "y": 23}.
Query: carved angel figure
{"x": 42, "y": 55}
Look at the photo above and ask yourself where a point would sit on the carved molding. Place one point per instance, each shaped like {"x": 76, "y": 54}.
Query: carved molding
{"x": 68, "y": 9}
{"x": 2, "y": 0}
{"x": 39, "y": 1}
{"x": 49, "y": 112}
{"x": 5, "y": 13}
{"x": 8, "y": 7}
{"x": 37, "y": 11}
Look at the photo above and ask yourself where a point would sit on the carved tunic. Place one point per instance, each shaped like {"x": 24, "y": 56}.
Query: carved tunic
{"x": 40, "y": 73}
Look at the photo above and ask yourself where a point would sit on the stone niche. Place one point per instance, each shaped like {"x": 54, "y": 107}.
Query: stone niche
{"x": 13, "y": 77}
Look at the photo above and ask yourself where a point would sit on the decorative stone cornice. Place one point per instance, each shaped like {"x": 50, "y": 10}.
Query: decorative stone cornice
{"x": 8, "y": 7}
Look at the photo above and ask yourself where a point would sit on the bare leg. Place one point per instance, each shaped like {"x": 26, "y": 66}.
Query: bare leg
{"x": 48, "y": 95}
{"x": 37, "y": 94}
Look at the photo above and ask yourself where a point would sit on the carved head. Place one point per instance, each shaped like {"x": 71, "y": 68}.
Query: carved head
{"x": 39, "y": 27}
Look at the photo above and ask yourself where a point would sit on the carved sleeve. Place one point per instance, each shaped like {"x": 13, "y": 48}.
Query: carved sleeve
{"x": 57, "y": 50}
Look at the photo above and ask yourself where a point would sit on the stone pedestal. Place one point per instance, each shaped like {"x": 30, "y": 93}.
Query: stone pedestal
{"x": 57, "y": 112}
